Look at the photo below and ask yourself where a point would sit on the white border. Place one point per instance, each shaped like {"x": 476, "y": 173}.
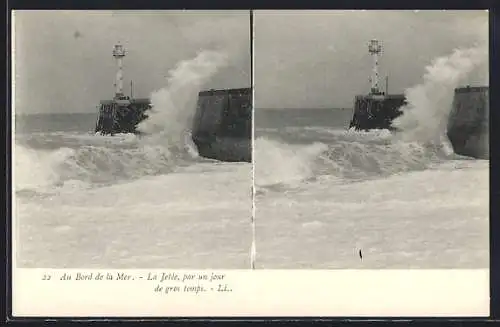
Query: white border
{"x": 360, "y": 293}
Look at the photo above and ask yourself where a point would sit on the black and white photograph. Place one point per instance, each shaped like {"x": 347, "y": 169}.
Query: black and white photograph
{"x": 132, "y": 139}
{"x": 250, "y": 163}
{"x": 371, "y": 145}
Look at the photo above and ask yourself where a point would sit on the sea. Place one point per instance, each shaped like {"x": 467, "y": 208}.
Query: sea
{"x": 85, "y": 200}
{"x": 328, "y": 197}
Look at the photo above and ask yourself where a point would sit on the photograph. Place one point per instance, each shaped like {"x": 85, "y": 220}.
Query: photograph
{"x": 132, "y": 139}
{"x": 371, "y": 146}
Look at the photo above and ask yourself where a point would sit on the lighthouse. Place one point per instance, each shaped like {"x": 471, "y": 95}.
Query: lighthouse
{"x": 119, "y": 54}
{"x": 377, "y": 109}
{"x": 121, "y": 114}
{"x": 375, "y": 49}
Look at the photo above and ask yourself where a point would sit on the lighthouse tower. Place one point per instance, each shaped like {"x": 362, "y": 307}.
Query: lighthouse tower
{"x": 118, "y": 54}
{"x": 377, "y": 109}
{"x": 121, "y": 114}
{"x": 374, "y": 48}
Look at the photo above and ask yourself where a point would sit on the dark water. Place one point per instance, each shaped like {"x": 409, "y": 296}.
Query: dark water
{"x": 46, "y": 123}
{"x": 54, "y": 131}
{"x": 293, "y": 126}
{"x": 280, "y": 118}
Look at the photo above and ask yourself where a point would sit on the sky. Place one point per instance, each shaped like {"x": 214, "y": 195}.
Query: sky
{"x": 63, "y": 59}
{"x": 320, "y": 59}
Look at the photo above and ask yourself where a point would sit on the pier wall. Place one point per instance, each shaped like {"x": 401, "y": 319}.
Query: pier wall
{"x": 468, "y": 124}
{"x": 376, "y": 112}
{"x": 222, "y": 124}
{"x": 114, "y": 118}
{"x": 106, "y": 117}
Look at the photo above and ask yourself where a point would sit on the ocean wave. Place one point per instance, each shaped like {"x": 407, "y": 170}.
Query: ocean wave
{"x": 95, "y": 164}
{"x": 348, "y": 155}
{"x": 279, "y": 163}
